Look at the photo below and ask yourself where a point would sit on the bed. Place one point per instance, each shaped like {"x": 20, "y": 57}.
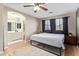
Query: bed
{"x": 56, "y": 40}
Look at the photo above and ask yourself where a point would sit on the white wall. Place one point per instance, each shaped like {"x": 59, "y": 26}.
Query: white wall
{"x": 3, "y": 26}
{"x": 71, "y": 21}
{"x": 31, "y": 26}
{"x": 1, "y": 30}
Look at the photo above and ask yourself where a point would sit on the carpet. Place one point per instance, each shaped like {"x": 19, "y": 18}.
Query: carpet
{"x": 31, "y": 51}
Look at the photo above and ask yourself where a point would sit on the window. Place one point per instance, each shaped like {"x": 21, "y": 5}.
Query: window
{"x": 59, "y": 24}
{"x": 18, "y": 25}
{"x": 47, "y": 25}
{"x": 9, "y": 26}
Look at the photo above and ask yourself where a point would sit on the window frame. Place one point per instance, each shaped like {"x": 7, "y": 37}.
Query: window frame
{"x": 59, "y": 24}
{"x": 47, "y": 25}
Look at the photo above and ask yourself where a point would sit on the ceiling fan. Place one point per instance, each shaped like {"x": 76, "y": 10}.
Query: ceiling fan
{"x": 38, "y": 6}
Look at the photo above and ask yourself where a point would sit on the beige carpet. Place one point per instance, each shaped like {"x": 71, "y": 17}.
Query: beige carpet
{"x": 31, "y": 51}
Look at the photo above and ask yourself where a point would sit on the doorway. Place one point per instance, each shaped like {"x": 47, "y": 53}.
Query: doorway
{"x": 15, "y": 30}
{"x": 15, "y": 27}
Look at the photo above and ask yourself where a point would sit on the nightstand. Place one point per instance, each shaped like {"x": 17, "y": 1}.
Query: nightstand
{"x": 70, "y": 40}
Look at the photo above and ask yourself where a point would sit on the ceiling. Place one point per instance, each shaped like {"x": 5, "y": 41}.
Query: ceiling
{"x": 56, "y": 8}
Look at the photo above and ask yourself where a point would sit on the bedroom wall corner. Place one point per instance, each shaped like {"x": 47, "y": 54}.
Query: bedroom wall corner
{"x": 31, "y": 27}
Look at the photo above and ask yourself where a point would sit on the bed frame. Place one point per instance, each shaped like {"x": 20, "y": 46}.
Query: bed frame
{"x": 60, "y": 49}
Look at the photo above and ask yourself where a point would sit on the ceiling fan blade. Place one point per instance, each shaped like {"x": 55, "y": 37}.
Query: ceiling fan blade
{"x": 43, "y": 7}
{"x": 39, "y": 3}
{"x": 28, "y": 5}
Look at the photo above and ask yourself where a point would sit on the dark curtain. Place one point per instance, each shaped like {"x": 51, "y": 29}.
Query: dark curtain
{"x": 53, "y": 26}
{"x": 52, "y": 22}
{"x": 65, "y": 25}
{"x": 43, "y": 25}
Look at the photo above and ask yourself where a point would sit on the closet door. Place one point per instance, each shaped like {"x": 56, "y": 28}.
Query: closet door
{"x": 77, "y": 26}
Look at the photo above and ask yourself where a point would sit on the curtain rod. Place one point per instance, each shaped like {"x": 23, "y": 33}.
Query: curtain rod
{"x": 57, "y": 18}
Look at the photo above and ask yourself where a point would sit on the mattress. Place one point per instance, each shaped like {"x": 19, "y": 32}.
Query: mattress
{"x": 56, "y": 40}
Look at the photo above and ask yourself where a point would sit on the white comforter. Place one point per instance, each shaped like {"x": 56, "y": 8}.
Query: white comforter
{"x": 56, "y": 40}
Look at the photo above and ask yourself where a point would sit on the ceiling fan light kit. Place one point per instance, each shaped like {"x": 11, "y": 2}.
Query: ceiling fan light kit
{"x": 38, "y": 6}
